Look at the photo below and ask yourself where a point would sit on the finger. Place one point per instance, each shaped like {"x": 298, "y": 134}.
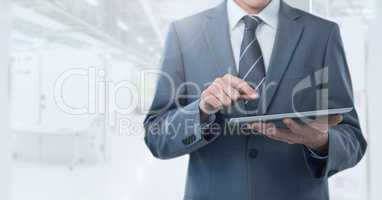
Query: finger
{"x": 288, "y": 136}
{"x": 264, "y": 128}
{"x": 248, "y": 97}
{"x": 325, "y": 122}
{"x": 228, "y": 90}
{"x": 218, "y": 92}
{"x": 260, "y": 127}
{"x": 293, "y": 126}
{"x": 335, "y": 120}
{"x": 242, "y": 86}
{"x": 213, "y": 102}
{"x": 282, "y": 135}
{"x": 270, "y": 129}
{"x": 246, "y": 90}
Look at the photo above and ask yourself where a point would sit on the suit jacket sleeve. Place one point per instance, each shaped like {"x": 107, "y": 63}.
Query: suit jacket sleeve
{"x": 172, "y": 126}
{"x": 346, "y": 142}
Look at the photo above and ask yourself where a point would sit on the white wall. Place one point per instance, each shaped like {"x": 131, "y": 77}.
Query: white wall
{"x": 301, "y": 4}
{"x": 374, "y": 73}
{"x": 5, "y": 161}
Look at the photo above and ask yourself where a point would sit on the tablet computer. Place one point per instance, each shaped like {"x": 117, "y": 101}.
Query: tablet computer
{"x": 298, "y": 115}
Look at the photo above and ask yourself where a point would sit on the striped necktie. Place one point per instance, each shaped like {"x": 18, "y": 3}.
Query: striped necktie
{"x": 251, "y": 65}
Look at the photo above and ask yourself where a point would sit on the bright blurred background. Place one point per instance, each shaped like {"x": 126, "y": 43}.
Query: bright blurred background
{"x": 48, "y": 152}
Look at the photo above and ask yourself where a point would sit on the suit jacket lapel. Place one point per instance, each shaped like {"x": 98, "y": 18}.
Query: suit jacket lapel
{"x": 218, "y": 40}
{"x": 287, "y": 38}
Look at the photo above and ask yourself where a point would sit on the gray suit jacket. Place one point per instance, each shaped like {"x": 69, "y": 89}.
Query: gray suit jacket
{"x": 308, "y": 71}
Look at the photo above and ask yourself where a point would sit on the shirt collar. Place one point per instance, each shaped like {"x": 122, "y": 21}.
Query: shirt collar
{"x": 269, "y": 14}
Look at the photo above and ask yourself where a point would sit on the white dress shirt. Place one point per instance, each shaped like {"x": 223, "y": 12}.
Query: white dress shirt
{"x": 265, "y": 33}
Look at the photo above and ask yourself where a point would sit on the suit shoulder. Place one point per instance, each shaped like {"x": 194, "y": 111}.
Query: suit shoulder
{"x": 314, "y": 20}
{"x": 192, "y": 22}
{"x": 191, "y": 27}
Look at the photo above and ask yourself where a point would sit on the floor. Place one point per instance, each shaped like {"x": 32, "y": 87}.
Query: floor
{"x": 130, "y": 174}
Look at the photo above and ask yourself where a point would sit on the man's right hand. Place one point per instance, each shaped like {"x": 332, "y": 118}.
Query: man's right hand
{"x": 223, "y": 92}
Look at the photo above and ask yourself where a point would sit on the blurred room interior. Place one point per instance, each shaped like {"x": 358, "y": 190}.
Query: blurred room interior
{"x": 101, "y": 155}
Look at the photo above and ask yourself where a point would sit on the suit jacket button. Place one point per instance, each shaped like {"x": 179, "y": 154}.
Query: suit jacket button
{"x": 253, "y": 153}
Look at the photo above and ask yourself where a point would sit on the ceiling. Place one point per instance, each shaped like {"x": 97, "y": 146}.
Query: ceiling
{"x": 132, "y": 29}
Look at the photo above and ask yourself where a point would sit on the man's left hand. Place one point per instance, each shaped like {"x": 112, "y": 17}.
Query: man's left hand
{"x": 313, "y": 135}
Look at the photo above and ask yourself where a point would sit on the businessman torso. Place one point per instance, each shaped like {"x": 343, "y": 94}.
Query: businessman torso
{"x": 238, "y": 166}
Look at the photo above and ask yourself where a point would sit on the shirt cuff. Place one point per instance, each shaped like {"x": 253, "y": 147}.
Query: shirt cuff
{"x": 209, "y": 132}
{"x": 211, "y": 119}
{"x": 317, "y": 155}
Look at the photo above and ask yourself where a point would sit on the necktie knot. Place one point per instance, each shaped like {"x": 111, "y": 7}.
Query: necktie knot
{"x": 251, "y": 22}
